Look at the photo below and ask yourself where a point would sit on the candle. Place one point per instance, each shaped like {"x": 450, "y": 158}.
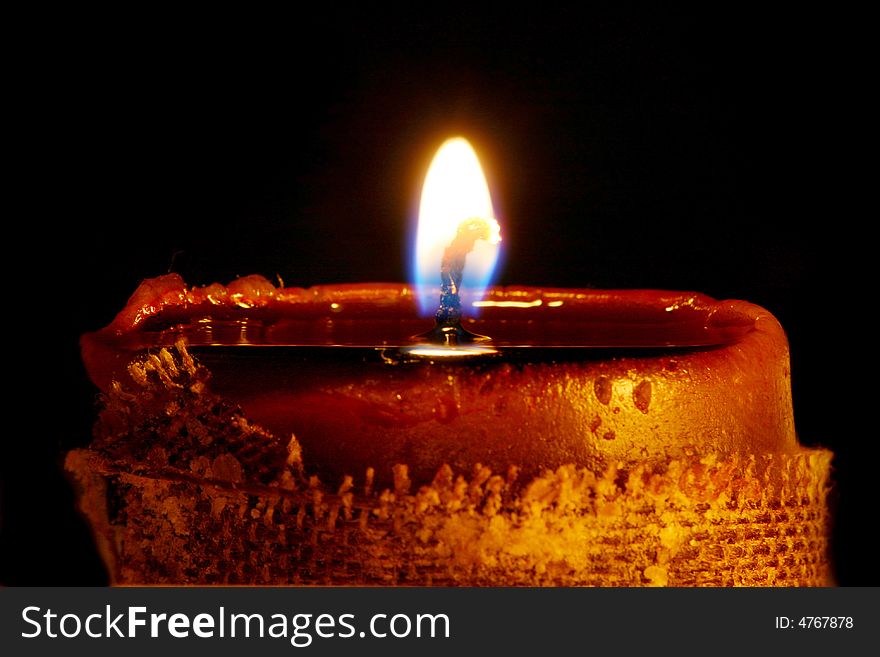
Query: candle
{"x": 263, "y": 435}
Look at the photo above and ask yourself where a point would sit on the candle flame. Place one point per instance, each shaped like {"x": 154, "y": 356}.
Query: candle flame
{"x": 455, "y": 191}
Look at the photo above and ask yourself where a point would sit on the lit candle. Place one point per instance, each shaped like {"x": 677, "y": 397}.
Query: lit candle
{"x": 266, "y": 435}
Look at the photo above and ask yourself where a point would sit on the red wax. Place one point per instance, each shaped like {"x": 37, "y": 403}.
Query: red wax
{"x": 590, "y": 377}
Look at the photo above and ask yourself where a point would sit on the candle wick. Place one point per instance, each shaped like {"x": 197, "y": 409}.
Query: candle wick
{"x": 448, "y": 329}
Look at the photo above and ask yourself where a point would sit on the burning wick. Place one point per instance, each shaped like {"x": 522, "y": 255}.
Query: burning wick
{"x": 448, "y": 329}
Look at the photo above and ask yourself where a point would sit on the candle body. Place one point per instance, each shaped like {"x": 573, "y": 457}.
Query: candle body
{"x": 618, "y": 421}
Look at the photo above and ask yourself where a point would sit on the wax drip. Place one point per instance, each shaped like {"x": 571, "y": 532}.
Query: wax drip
{"x": 448, "y": 329}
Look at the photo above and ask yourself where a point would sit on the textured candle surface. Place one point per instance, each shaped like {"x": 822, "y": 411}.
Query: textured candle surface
{"x": 637, "y": 437}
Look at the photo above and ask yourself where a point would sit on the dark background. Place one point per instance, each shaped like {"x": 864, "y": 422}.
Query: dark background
{"x": 638, "y": 148}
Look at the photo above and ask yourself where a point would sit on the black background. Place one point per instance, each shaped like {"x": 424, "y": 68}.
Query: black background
{"x": 650, "y": 147}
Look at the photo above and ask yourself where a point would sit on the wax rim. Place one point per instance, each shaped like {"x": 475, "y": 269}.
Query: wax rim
{"x": 605, "y": 318}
